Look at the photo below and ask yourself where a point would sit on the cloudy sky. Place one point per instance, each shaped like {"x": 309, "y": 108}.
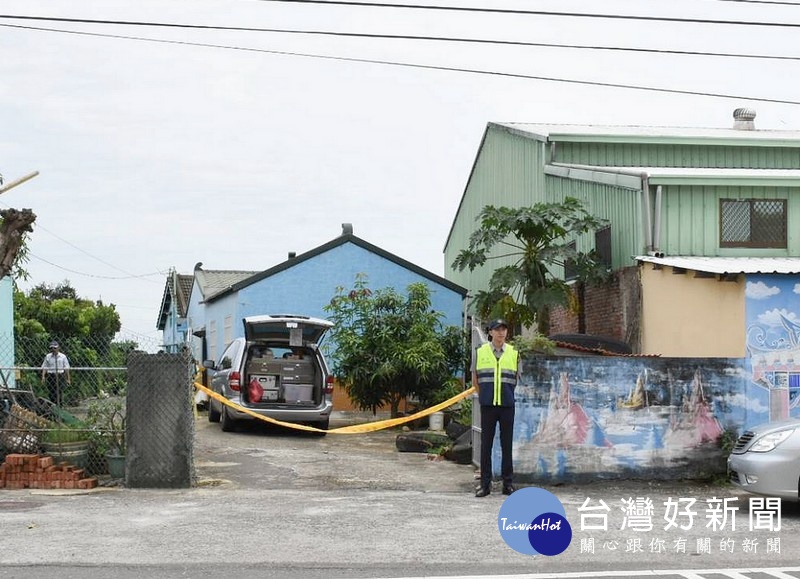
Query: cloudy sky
{"x": 233, "y": 148}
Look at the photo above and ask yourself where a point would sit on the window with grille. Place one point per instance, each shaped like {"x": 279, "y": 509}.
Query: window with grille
{"x": 752, "y": 223}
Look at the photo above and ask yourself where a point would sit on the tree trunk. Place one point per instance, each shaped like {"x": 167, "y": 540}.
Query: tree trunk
{"x": 580, "y": 288}
{"x": 395, "y": 406}
{"x": 12, "y": 230}
{"x": 543, "y": 321}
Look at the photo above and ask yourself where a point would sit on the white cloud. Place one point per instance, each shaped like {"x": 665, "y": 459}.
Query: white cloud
{"x": 760, "y": 290}
{"x": 796, "y": 288}
{"x": 772, "y": 317}
{"x": 749, "y": 404}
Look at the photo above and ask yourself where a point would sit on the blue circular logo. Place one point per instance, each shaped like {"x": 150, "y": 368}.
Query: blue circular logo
{"x": 532, "y": 521}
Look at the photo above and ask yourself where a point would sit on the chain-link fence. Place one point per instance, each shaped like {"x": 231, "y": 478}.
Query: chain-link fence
{"x": 77, "y": 409}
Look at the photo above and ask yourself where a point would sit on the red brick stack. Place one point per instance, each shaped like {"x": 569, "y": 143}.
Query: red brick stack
{"x": 34, "y": 471}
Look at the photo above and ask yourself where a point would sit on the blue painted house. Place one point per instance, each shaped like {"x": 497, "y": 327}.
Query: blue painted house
{"x": 304, "y": 284}
{"x": 207, "y": 283}
{"x": 174, "y": 307}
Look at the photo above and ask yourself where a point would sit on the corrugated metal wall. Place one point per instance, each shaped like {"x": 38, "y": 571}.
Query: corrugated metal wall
{"x": 666, "y": 155}
{"x": 618, "y": 205}
{"x": 690, "y": 220}
{"x": 509, "y": 172}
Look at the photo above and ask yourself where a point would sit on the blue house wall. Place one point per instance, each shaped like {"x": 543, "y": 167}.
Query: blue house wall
{"x": 196, "y": 318}
{"x": 306, "y": 287}
{"x": 174, "y": 332}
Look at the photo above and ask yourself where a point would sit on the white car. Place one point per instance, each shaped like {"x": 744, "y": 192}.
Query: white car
{"x": 275, "y": 370}
{"x": 766, "y": 460}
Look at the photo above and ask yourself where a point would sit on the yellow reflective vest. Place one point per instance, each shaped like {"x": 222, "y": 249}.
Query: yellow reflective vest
{"x": 497, "y": 378}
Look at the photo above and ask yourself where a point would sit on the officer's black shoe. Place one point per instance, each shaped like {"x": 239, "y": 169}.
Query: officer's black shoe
{"x": 508, "y": 489}
{"x": 483, "y": 491}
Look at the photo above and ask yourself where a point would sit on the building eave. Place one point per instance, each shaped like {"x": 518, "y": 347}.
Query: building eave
{"x": 727, "y": 265}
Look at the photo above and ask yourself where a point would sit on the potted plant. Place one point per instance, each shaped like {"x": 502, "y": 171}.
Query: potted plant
{"x": 67, "y": 443}
{"x": 106, "y": 417}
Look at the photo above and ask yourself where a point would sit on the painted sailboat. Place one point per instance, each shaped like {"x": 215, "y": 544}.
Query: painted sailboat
{"x": 566, "y": 423}
{"x": 638, "y": 397}
{"x": 696, "y": 423}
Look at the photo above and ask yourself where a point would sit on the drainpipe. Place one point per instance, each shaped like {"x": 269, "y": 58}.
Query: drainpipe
{"x": 647, "y": 211}
{"x": 657, "y": 224}
{"x": 648, "y": 214}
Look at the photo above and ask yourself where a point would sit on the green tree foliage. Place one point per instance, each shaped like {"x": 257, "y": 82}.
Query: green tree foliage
{"x": 537, "y": 238}
{"x": 84, "y": 328}
{"x": 387, "y": 346}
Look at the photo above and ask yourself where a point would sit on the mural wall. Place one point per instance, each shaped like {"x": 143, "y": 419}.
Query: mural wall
{"x": 582, "y": 418}
{"x": 773, "y": 341}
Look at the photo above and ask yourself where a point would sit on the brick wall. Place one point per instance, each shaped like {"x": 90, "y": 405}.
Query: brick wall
{"x": 612, "y": 310}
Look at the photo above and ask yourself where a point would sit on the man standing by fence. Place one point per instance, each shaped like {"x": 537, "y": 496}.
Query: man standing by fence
{"x": 55, "y": 373}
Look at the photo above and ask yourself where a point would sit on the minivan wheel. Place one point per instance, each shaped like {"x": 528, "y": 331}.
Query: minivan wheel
{"x": 213, "y": 415}
{"x": 228, "y": 423}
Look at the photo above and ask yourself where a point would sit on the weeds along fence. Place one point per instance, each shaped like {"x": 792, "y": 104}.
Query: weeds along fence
{"x": 83, "y": 421}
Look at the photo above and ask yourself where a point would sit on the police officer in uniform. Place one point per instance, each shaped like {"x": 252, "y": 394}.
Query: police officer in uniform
{"x": 495, "y": 373}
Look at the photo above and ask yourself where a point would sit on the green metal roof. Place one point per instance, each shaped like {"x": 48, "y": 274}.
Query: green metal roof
{"x": 654, "y": 135}
{"x": 686, "y": 175}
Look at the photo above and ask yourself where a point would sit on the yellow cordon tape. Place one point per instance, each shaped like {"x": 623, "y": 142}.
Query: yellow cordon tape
{"x": 353, "y": 429}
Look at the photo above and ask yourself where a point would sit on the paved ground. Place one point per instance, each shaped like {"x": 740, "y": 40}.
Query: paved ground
{"x": 265, "y": 457}
{"x": 275, "y": 504}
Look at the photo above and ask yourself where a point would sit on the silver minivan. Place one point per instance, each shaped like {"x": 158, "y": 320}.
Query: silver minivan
{"x": 276, "y": 370}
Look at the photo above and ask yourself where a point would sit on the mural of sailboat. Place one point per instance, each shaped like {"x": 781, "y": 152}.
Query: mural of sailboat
{"x": 638, "y": 397}
{"x": 696, "y": 423}
{"x": 566, "y": 423}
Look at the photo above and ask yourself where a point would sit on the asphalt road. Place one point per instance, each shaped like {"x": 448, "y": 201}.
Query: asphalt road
{"x": 275, "y": 504}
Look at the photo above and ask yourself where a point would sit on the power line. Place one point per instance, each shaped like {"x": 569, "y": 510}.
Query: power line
{"x": 420, "y": 66}
{"x": 128, "y": 274}
{"x": 407, "y": 37}
{"x": 762, "y": 2}
{"x": 93, "y": 275}
{"x": 537, "y": 12}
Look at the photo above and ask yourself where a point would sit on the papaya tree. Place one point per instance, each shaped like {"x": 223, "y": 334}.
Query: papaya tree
{"x": 537, "y": 239}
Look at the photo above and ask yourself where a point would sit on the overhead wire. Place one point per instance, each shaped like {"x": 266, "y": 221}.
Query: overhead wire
{"x": 128, "y": 275}
{"x": 517, "y": 11}
{"x": 418, "y": 66}
{"x": 401, "y": 37}
{"x": 421, "y": 6}
{"x": 132, "y": 276}
{"x": 779, "y": 2}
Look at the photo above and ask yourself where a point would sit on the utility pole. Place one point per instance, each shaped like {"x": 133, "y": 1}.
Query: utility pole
{"x": 20, "y": 181}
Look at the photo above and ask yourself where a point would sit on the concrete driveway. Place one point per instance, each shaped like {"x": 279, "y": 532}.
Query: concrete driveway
{"x": 291, "y": 506}
{"x": 267, "y": 457}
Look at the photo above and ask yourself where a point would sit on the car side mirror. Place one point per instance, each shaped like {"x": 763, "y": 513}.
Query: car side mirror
{"x": 209, "y": 364}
